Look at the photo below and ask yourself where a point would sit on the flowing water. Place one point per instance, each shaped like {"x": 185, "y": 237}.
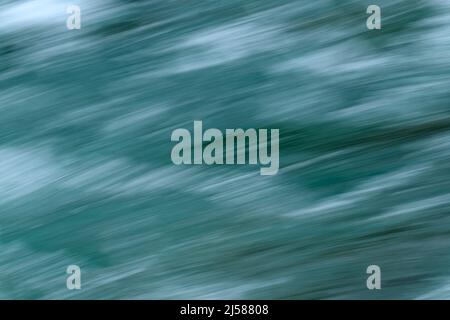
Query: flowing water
{"x": 86, "y": 176}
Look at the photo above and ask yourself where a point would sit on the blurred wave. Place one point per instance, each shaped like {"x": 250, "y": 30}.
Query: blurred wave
{"x": 87, "y": 179}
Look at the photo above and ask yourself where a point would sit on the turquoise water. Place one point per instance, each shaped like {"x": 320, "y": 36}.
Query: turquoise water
{"x": 86, "y": 176}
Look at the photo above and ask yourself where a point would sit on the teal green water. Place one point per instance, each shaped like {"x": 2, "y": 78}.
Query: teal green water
{"x": 86, "y": 176}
